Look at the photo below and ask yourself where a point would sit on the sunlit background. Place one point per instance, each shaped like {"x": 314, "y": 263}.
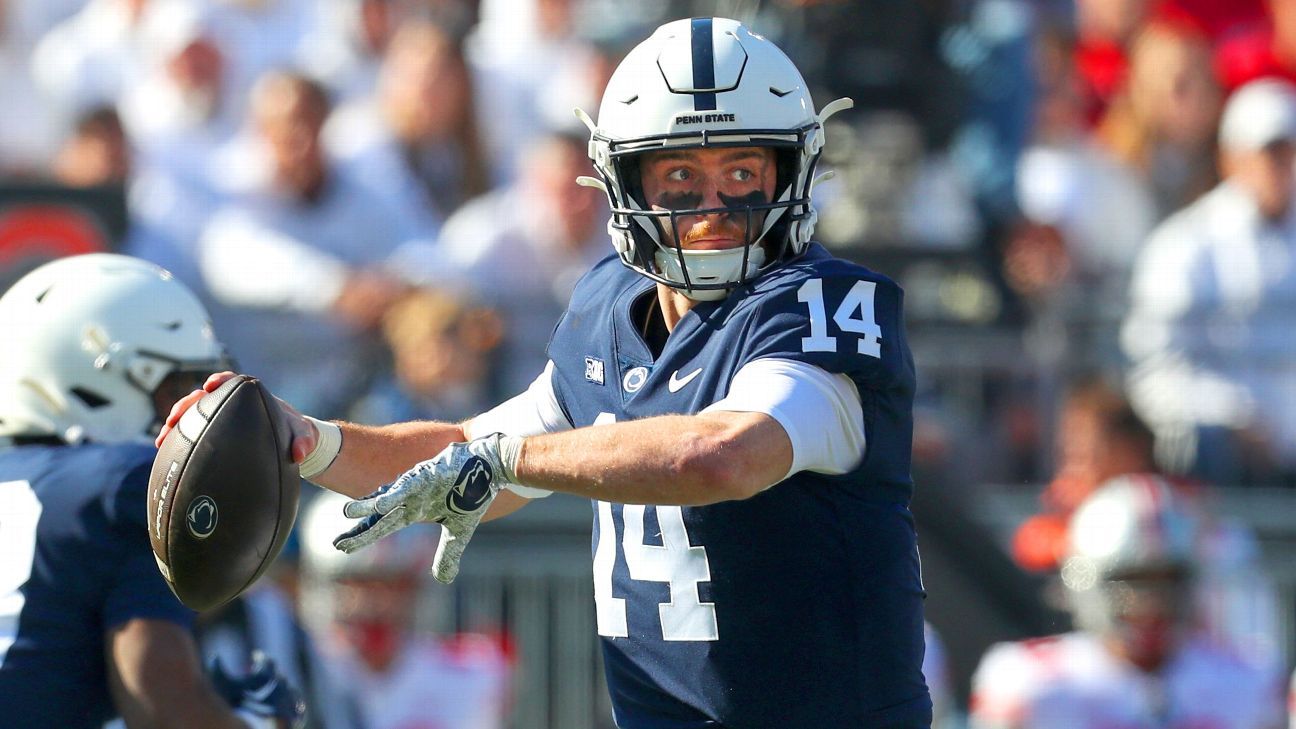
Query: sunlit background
{"x": 376, "y": 200}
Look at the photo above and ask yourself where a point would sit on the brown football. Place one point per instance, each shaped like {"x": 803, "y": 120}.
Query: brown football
{"x": 223, "y": 494}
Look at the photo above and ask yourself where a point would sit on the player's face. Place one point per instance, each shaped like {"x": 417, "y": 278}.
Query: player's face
{"x": 374, "y": 615}
{"x": 690, "y": 179}
{"x": 1150, "y": 608}
{"x": 175, "y": 386}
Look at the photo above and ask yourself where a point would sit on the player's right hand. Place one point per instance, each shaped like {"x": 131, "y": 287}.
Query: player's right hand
{"x": 454, "y": 489}
{"x": 262, "y": 698}
{"x": 305, "y": 436}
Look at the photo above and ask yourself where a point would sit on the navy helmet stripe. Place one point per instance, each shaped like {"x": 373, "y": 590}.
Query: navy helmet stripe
{"x": 703, "y": 65}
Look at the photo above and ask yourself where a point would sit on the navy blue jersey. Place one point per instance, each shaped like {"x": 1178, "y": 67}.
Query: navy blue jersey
{"x": 801, "y": 606}
{"x": 77, "y": 562}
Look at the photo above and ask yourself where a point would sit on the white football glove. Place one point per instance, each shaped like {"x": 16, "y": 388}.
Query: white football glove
{"x": 453, "y": 489}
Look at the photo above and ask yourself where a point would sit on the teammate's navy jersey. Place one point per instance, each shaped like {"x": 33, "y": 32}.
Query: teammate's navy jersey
{"x": 76, "y": 562}
{"x": 801, "y": 606}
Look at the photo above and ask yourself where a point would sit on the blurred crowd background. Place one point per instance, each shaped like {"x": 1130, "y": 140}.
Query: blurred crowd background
{"x": 375, "y": 198}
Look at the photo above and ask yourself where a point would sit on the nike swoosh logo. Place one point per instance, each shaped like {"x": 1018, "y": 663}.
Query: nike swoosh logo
{"x": 677, "y": 383}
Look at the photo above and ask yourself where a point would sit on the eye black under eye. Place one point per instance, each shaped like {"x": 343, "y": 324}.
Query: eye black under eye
{"x": 755, "y": 197}
{"x": 679, "y": 200}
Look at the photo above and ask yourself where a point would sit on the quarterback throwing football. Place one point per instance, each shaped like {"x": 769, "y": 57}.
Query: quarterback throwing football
{"x": 736, "y": 402}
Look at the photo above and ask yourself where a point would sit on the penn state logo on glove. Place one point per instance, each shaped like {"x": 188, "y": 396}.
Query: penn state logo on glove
{"x": 472, "y": 488}
{"x": 454, "y": 489}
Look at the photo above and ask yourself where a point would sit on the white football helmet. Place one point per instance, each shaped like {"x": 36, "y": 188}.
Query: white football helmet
{"x": 1132, "y": 554}
{"x": 87, "y": 341}
{"x": 368, "y": 596}
{"x": 707, "y": 82}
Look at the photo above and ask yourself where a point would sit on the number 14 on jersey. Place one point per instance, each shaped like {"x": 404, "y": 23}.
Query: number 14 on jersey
{"x": 676, "y": 562}
{"x": 855, "y": 315}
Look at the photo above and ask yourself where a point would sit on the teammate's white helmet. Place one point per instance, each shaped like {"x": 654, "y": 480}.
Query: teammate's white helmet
{"x": 1132, "y": 527}
{"x": 88, "y": 339}
{"x": 707, "y": 82}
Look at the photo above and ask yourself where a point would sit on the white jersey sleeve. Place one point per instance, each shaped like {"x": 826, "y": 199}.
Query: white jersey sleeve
{"x": 533, "y": 412}
{"x": 1002, "y": 687}
{"x": 821, "y": 412}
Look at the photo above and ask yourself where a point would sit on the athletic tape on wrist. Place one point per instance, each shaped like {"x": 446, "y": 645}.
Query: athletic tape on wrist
{"x": 510, "y": 449}
{"x": 326, "y": 449}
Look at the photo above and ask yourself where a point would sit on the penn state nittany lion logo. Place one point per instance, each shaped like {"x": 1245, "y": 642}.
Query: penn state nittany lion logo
{"x": 472, "y": 488}
{"x": 201, "y": 517}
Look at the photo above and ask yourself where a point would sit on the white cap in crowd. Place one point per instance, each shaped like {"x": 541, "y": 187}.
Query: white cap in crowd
{"x": 1259, "y": 114}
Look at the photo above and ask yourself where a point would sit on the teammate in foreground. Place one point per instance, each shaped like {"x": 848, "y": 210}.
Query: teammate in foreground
{"x": 94, "y": 349}
{"x": 735, "y": 401}
{"x": 1138, "y": 659}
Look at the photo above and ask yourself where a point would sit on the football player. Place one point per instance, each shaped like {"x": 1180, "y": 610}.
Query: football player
{"x": 736, "y": 402}
{"x": 1137, "y": 660}
{"x": 94, "y": 348}
{"x": 362, "y": 609}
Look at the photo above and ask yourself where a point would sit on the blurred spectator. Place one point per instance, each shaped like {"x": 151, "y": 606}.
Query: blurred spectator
{"x": 162, "y": 224}
{"x": 96, "y": 154}
{"x": 345, "y": 47}
{"x": 257, "y": 36}
{"x": 363, "y": 609}
{"x": 298, "y": 261}
{"x": 1162, "y": 123}
{"x": 1268, "y": 48}
{"x": 579, "y": 82}
{"x": 93, "y": 57}
{"x": 1085, "y": 214}
{"x": 442, "y": 346}
{"x": 515, "y": 51}
{"x": 1107, "y": 28}
{"x": 521, "y": 249}
{"x": 263, "y": 619}
{"x": 1085, "y": 219}
{"x": 416, "y": 141}
{"x": 1213, "y": 297}
{"x": 1137, "y": 658}
{"x": 177, "y": 117}
{"x": 180, "y": 104}
{"x": 347, "y": 42}
{"x": 1104, "y": 31}
{"x": 29, "y": 127}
